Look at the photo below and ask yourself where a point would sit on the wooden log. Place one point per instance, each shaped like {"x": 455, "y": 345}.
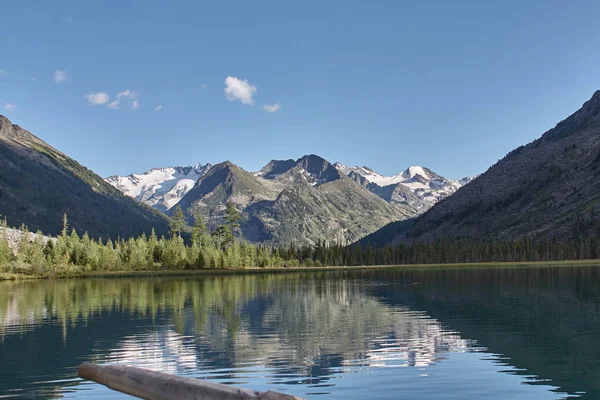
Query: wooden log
{"x": 153, "y": 385}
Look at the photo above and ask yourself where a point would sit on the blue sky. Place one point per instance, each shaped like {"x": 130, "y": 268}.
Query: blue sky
{"x": 452, "y": 86}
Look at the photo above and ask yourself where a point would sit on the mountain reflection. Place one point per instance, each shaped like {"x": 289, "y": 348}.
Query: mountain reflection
{"x": 300, "y": 327}
{"x": 306, "y": 328}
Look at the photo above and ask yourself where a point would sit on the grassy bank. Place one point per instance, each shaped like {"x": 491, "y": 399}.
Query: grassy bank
{"x": 232, "y": 271}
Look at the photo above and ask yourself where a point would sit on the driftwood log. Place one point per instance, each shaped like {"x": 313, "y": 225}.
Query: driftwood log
{"x": 152, "y": 385}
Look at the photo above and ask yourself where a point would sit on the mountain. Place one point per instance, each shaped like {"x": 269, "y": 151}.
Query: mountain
{"x": 38, "y": 184}
{"x": 275, "y": 167}
{"x": 160, "y": 188}
{"x": 301, "y": 201}
{"x": 223, "y": 183}
{"x": 549, "y": 188}
{"x": 417, "y": 188}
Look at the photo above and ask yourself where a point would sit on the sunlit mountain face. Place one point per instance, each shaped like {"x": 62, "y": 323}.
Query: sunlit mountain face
{"x": 341, "y": 334}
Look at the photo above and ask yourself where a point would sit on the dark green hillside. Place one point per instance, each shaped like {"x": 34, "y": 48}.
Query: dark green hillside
{"x": 38, "y": 184}
{"x": 549, "y": 188}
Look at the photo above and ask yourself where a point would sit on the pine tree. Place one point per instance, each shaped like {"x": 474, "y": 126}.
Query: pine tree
{"x": 65, "y": 226}
{"x": 177, "y": 221}
{"x": 5, "y": 252}
{"x": 199, "y": 230}
{"x": 223, "y": 235}
{"x": 232, "y": 216}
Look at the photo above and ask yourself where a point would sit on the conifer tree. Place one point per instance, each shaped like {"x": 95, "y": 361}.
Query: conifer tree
{"x": 5, "y": 252}
{"x": 232, "y": 216}
{"x": 65, "y": 226}
{"x": 177, "y": 221}
{"x": 223, "y": 236}
{"x": 199, "y": 230}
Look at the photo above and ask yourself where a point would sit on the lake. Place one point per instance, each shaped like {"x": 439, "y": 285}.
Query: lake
{"x": 435, "y": 333}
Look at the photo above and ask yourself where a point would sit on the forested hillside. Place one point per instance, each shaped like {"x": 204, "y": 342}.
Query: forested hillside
{"x": 38, "y": 184}
{"x": 549, "y": 188}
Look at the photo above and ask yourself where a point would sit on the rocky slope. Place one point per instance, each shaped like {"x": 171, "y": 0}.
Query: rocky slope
{"x": 548, "y": 188}
{"x": 13, "y": 237}
{"x": 285, "y": 202}
{"x": 38, "y": 184}
{"x": 417, "y": 188}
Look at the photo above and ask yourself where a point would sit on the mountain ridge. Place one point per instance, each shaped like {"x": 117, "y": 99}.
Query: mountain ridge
{"x": 547, "y": 188}
{"x": 271, "y": 214}
{"x": 38, "y": 184}
{"x": 301, "y": 203}
{"x": 160, "y": 188}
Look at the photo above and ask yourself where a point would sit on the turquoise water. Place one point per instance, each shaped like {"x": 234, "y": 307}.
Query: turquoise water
{"x": 518, "y": 333}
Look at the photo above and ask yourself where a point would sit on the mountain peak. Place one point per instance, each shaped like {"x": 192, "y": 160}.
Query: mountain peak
{"x": 318, "y": 168}
{"x": 587, "y": 116}
{"x": 14, "y": 132}
{"x": 415, "y": 170}
{"x": 275, "y": 168}
{"x": 224, "y": 165}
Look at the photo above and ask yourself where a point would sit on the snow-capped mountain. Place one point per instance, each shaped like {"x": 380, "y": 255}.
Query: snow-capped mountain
{"x": 287, "y": 201}
{"x": 161, "y": 188}
{"x": 427, "y": 187}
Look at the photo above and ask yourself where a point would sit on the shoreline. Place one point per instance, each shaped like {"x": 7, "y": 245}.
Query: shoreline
{"x": 241, "y": 271}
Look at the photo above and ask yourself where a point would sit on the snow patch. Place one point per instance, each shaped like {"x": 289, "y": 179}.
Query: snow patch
{"x": 161, "y": 188}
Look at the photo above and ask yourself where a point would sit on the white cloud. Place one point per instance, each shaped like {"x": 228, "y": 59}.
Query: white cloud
{"x": 131, "y": 97}
{"x": 204, "y": 86}
{"x": 3, "y": 72}
{"x": 101, "y": 98}
{"x": 66, "y": 20}
{"x": 272, "y": 107}
{"x": 97, "y": 99}
{"x": 238, "y": 89}
{"x": 9, "y": 107}
{"x": 158, "y": 107}
{"x": 60, "y": 75}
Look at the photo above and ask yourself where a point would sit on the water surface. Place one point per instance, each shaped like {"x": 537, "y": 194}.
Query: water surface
{"x": 448, "y": 333}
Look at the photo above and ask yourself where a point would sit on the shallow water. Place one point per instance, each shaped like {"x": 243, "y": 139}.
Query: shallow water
{"x": 519, "y": 333}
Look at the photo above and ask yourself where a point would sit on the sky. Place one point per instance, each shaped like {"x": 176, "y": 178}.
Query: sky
{"x": 125, "y": 86}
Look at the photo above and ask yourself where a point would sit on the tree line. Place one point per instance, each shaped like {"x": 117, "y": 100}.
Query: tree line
{"x": 72, "y": 254}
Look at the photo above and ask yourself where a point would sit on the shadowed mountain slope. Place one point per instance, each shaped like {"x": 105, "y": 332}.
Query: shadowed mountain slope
{"x": 548, "y": 188}
{"x": 38, "y": 184}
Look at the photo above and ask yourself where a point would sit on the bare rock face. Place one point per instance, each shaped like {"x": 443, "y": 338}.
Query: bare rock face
{"x": 10, "y": 131}
{"x": 13, "y": 236}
